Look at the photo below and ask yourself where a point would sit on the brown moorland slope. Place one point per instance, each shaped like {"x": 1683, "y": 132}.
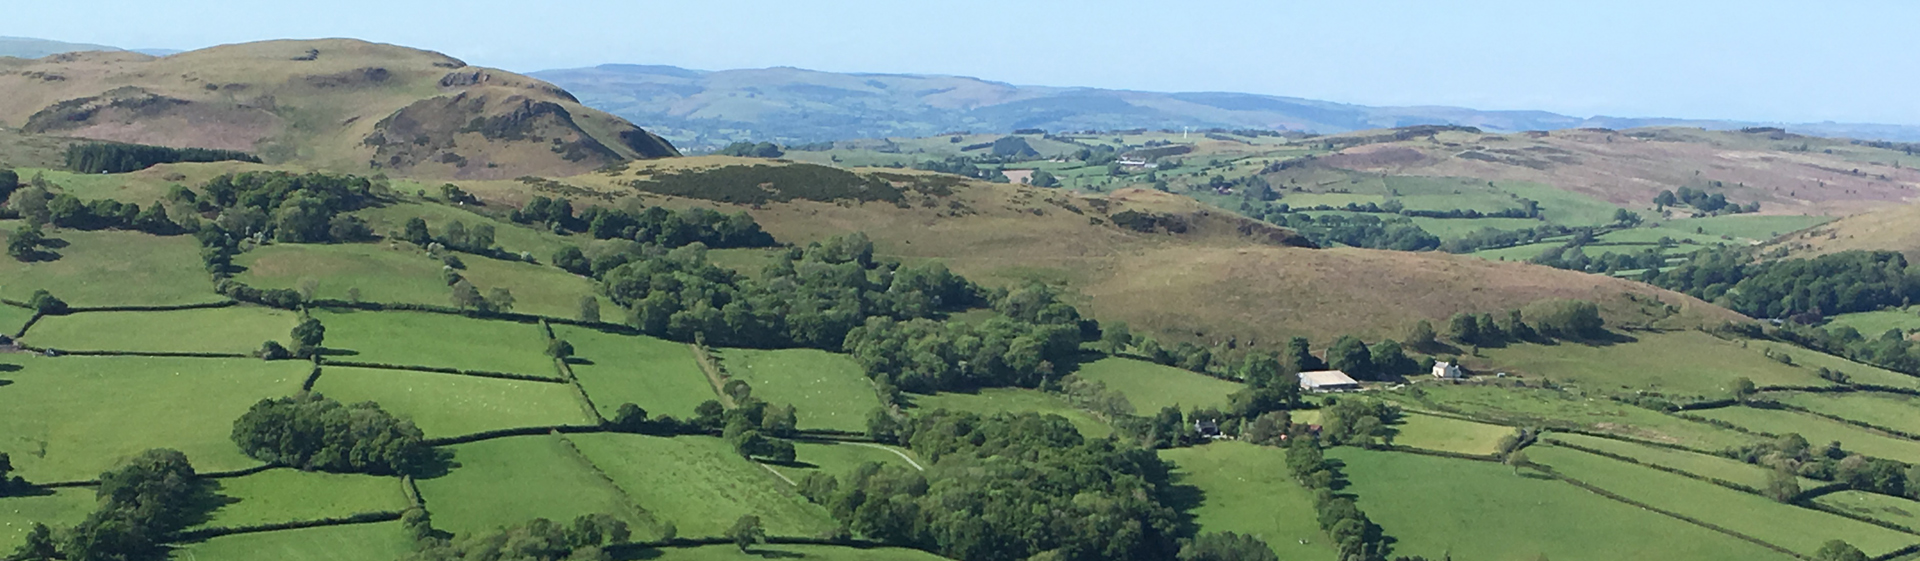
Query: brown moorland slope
{"x": 1786, "y": 173}
{"x": 1196, "y": 274}
{"x": 335, "y": 104}
{"x": 1890, "y": 229}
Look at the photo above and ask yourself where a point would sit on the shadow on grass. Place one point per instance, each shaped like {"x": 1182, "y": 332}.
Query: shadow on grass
{"x": 330, "y": 351}
{"x": 580, "y": 361}
{"x": 11, "y": 367}
{"x": 1183, "y": 498}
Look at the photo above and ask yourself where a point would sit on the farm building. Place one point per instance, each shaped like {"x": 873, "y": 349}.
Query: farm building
{"x": 1448, "y": 371}
{"x": 1327, "y": 381}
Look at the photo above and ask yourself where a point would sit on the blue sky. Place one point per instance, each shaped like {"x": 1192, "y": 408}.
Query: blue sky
{"x": 1847, "y": 60}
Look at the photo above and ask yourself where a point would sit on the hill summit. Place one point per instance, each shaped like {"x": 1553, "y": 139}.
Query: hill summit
{"x": 335, "y": 104}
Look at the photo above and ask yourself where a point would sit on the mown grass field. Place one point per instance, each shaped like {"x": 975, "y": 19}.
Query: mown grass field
{"x": 110, "y": 268}
{"x": 1749, "y": 226}
{"x": 507, "y": 481}
{"x": 64, "y": 507}
{"x": 1450, "y": 435}
{"x": 1894, "y": 411}
{"x": 451, "y": 405}
{"x": 1798, "y": 529}
{"x": 1677, "y": 362}
{"x": 385, "y": 540}
{"x": 838, "y": 458}
{"x": 658, "y": 375}
{"x": 1873, "y": 324}
{"x": 1246, "y": 489}
{"x": 1009, "y": 400}
{"x": 700, "y": 485}
{"x": 1483, "y": 510}
{"x": 1819, "y": 430}
{"x": 1893, "y": 510}
{"x": 1547, "y": 408}
{"x": 536, "y": 289}
{"x": 70, "y": 418}
{"x": 381, "y": 272}
{"x": 829, "y": 390}
{"x": 236, "y": 329}
{"x": 290, "y": 495}
{"x": 809, "y": 552}
{"x": 1151, "y": 387}
{"x": 12, "y": 318}
{"x": 439, "y": 340}
{"x": 1725, "y": 469}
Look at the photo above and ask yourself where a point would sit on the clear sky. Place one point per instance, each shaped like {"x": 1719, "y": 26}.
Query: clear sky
{"x": 1845, "y": 60}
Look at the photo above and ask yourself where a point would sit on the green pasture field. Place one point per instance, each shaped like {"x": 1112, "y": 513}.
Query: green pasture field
{"x": 1725, "y": 469}
{"x": 537, "y": 289}
{"x": 444, "y": 405}
{"x": 1819, "y": 431}
{"x": 385, "y": 540}
{"x": 838, "y": 458}
{"x": 1549, "y": 408}
{"x": 236, "y": 329}
{"x": 1873, "y": 324}
{"x": 1485, "y": 511}
{"x": 507, "y": 481}
{"x": 438, "y": 340}
{"x": 1247, "y": 489}
{"x": 1675, "y": 363}
{"x": 808, "y": 552}
{"x": 700, "y": 485}
{"x": 1749, "y": 226}
{"x": 1798, "y": 529}
{"x": 1449, "y": 435}
{"x": 291, "y": 495}
{"x": 1151, "y": 387}
{"x": 1009, "y": 400}
{"x": 381, "y": 272}
{"x": 514, "y": 238}
{"x": 70, "y": 418}
{"x": 65, "y": 507}
{"x": 828, "y": 390}
{"x": 1894, "y": 411}
{"x": 1894, "y": 510}
{"x": 746, "y": 261}
{"x": 12, "y": 318}
{"x": 1810, "y": 360}
{"x": 660, "y": 376}
{"x": 110, "y": 268}
{"x": 1515, "y": 253}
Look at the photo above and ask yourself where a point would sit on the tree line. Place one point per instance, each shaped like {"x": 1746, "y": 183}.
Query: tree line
{"x": 1804, "y": 289}
{"x": 655, "y": 225}
{"x": 110, "y": 157}
{"x": 312, "y": 432}
{"x": 142, "y": 503}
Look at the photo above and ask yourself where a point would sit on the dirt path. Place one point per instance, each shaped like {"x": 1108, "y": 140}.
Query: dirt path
{"x": 776, "y": 473}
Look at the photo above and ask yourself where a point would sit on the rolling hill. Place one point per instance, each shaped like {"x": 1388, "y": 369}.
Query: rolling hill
{"x": 332, "y": 104}
{"x": 703, "y": 110}
{"x": 1889, "y": 229}
{"x": 25, "y": 47}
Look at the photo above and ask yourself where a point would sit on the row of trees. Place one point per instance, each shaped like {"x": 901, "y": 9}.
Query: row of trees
{"x": 104, "y": 157}
{"x": 540, "y": 539}
{"x": 141, "y": 503}
{"x": 1358, "y": 231}
{"x": 310, "y": 431}
{"x": 1711, "y": 203}
{"x": 1845, "y": 282}
{"x": 1353, "y": 533}
{"x": 294, "y": 208}
{"x": 640, "y": 223}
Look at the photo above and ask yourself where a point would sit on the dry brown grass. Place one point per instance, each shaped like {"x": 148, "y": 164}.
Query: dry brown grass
{"x": 1890, "y": 229}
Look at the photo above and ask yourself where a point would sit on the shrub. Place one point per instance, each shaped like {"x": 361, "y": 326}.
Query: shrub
{"x": 46, "y": 304}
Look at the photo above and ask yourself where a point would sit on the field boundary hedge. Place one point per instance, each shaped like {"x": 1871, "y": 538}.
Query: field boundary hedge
{"x": 1898, "y": 553}
{"x": 473, "y": 314}
{"x": 1443, "y": 453}
{"x": 1668, "y": 469}
{"x": 166, "y": 308}
{"x": 147, "y": 354}
{"x": 1675, "y": 515}
{"x": 516, "y": 431}
{"x": 679, "y": 543}
{"x": 1631, "y": 440}
{"x": 1858, "y": 518}
{"x": 28, "y": 325}
{"x": 1896, "y": 433}
{"x": 441, "y": 370}
{"x": 218, "y": 531}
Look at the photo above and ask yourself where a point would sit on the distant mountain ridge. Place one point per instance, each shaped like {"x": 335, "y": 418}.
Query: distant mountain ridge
{"x": 706, "y": 109}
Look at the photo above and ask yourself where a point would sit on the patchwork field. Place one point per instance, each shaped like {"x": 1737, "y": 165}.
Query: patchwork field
{"x": 70, "y": 418}
{"x": 1798, "y": 529}
{"x": 1892, "y": 510}
{"x": 1816, "y": 429}
{"x": 1151, "y": 387}
{"x": 290, "y": 495}
{"x": 381, "y": 272}
{"x": 1873, "y": 324}
{"x": 507, "y": 481}
{"x": 445, "y": 405}
{"x": 1009, "y": 400}
{"x": 839, "y": 458}
{"x": 829, "y": 390}
{"x": 236, "y": 329}
{"x": 1418, "y": 500}
{"x": 700, "y": 485}
{"x": 1724, "y": 469}
{"x": 1860, "y": 373}
{"x": 658, "y": 375}
{"x": 1450, "y": 435}
{"x": 1894, "y": 411}
{"x": 1549, "y": 408}
{"x": 536, "y": 289}
{"x": 386, "y": 540}
{"x": 12, "y": 318}
{"x": 439, "y": 340}
{"x": 61, "y": 508}
{"x": 110, "y": 268}
{"x": 512, "y": 237}
{"x": 1246, "y": 489}
{"x": 1678, "y": 362}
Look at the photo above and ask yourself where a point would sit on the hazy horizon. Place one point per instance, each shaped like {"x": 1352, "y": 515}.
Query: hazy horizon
{"x": 1748, "y": 61}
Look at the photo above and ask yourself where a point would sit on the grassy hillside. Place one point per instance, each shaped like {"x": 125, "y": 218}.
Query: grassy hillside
{"x": 335, "y": 104}
{"x": 1894, "y": 228}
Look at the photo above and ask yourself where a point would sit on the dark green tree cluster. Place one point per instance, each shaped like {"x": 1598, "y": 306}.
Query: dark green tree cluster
{"x": 141, "y": 504}
{"x": 1353, "y": 533}
{"x": 477, "y": 240}
{"x": 310, "y": 431}
{"x": 1845, "y": 282}
{"x": 1574, "y": 258}
{"x": 654, "y": 225}
{"x": 26, "y": 245}
{"x": 1493, "y": 238}
{"x": 1490, "y": 330}
{"x": 1226, "y": 546}
{"x": 68, "y": 211}
{"x": 1565, "y": 319}
{"x": 9, "y": 483}
{"x": 46, "y": 303}
{"x": 1700, "y": 200}
{"x": 1358, "y": 422}
{"x": 1009, "y": 487}
{"x": 750, "y": 150}
{"x": 296, "y": 208}
{"x": 1890, "y": 350}
{"x": 924, "y": 356}
{"x": 1358, "y": 231}
{"x": 540, "y": 539}
{"x": 1793, "y": 454}
{"x": 103, "y": 157}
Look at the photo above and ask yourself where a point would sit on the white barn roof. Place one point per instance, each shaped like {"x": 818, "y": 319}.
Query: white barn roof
{"x": 1326, "y": 378}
